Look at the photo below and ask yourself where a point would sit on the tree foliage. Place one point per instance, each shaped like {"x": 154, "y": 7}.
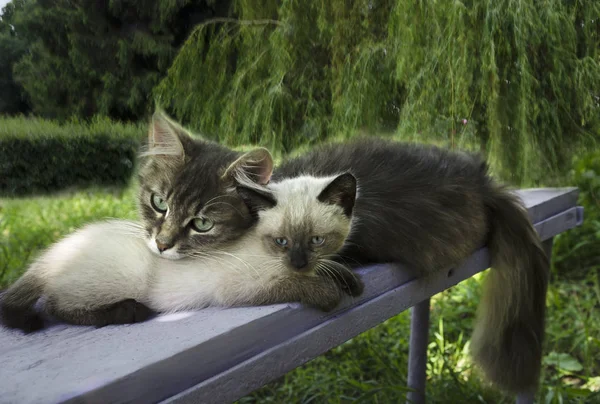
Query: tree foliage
{"x": 519, "y": 80}
{"x": 101, "y": 57}
{"x": 12, "y": 48}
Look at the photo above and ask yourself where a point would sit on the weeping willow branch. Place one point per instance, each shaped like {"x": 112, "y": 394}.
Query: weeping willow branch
{"x": 518, "y": 81}
{"x": 241, "y": 22}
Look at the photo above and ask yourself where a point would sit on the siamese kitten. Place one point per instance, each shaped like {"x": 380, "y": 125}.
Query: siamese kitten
{"x": 105, "y": 273}
{"x": 429, "y": 209}
{"x": 187, "y": 200}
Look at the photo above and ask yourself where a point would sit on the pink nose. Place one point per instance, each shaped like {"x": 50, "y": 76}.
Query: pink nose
{"x": 163, "y": 247}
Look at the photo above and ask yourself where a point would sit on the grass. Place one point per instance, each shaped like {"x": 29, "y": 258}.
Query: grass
{"x": 27, "y": 225}
{"x": 372, "y": 367}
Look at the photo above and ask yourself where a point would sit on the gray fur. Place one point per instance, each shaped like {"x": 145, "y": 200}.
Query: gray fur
{"x": 104, "y": 273}
{"x": 126, "y": 311}
{"x": 309, "y": 207}
{"x": 430, "y": 208}
{"x": 17, "y": 306}
{"x": 197, "y": 178}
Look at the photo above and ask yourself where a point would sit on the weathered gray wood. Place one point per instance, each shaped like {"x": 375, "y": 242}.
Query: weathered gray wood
{"x": 545, "y": 202}
{"x": 219, "y": 355}
{"x": 548, "y": 247}
{"x": 567, "y": 219}
{"x": 280, "y": 359}
{"x": 417, "y": 354}
{"x": 337, "y": 329}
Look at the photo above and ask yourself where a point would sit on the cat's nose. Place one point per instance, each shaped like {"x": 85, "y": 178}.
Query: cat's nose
{"x": 298, "y": 259}
{"x": 163, "y": 246}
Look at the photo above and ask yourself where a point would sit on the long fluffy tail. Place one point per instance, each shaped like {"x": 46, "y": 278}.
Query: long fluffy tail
{"x": 508, "y": 336}
{"x": 17, "y": 304}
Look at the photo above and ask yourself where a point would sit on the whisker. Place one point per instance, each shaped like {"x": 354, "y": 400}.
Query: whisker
{"x": 223, "y": 262}
{"x": 247, "y": 255}
{"x": 343, "y": 258}
{"x": 335, "y": 267}
{"x": 215, "y": 198}
{"x": 224, "y": 203}
{"x": 242, "y": 261}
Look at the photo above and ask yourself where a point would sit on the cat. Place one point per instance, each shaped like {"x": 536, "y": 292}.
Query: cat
{"x": 187, "y": 200}
{"x": 187, "y": 197}
{"x": 430, "y": 208}
{"x": 104, "y": 273}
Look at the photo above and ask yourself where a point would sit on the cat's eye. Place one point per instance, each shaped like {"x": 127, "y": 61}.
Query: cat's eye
{"x": 202, "y": 224}
{"x": 158, "y": 203}
{"x": 317, "y": 240}
{"x": 281, "y": 241}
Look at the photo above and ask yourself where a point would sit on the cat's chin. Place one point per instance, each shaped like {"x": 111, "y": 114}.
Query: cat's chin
{"x": 173, "y": 256}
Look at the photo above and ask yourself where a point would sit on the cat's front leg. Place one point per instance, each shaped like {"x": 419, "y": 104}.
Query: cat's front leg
{"x": 347, "y": 280}
{"x": 350, "y": 283}
{"x": 127, "y": 311}
{"x": 316, "y": 291}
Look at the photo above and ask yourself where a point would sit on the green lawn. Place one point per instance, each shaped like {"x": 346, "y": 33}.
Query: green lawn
{"x": 372, "y": 367}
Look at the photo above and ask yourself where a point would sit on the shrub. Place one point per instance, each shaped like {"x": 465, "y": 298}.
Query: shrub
{"x": 577, "y": 251}
{"x": 41, "y": 156}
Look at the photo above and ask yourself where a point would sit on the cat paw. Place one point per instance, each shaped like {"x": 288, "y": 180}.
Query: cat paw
{"x": 127, "y": 311}
{"x": 350, "y": 283}
{"x": 327, "y": 305}
{"x": 26, "y": 322}
{"x": 33, "y": 323}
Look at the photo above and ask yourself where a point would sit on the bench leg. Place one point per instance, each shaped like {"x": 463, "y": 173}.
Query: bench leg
{"x": 529, "y": 398}
{"x": 417, "y": 355}
{"x": 526, "y": 398}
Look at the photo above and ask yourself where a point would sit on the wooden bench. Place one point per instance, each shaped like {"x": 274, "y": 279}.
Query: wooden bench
{"x": 217, "y": 356}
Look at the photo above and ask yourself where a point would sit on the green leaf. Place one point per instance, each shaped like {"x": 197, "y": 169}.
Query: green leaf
{"x": 593, "y": 384}
{"x": 563, "y": 361}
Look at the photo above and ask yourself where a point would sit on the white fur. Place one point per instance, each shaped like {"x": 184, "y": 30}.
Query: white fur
{"x": 170, "y": 254}
{"x": 106, "y": 262}
{"x": 109, "y": 261}
{"x": 297, "y": 205}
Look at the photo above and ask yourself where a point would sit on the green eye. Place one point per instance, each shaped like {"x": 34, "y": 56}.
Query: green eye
{"x": 281, "y": 241}
{"x": 202, "y": 224}
{"x": 317, "y": 240}
{"x": 158, "y": 203}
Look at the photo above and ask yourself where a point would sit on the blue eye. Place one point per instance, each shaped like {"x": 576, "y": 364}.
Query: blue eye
{"x": 281, "y": 241}
{"x": 317, "y": 240}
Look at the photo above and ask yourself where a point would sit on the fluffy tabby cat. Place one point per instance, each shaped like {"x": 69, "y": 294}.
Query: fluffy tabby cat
{"x": 188, "y": 204}
{"x": 104, "y": 273}
{"x": 430, "y": 208}
{"x": 187, "y": 192}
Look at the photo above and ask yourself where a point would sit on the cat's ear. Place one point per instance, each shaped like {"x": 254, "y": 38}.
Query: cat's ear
{"x": 256, "y": 199}
{"x": 255, "y": 166}
{"x": 341, "y": 191}
{"x": 166, "y": 138}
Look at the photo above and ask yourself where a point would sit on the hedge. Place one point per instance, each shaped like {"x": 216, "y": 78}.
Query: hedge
{"x": 41, "y": 156}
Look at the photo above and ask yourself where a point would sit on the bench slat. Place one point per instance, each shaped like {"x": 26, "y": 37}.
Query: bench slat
{"x": 222, "y": 354}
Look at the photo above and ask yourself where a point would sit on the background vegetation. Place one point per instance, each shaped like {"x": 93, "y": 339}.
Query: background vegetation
{"x": 41, "y": 156}
{"x": 518, "y": 80}
{"x": 514, "y": 79}
{"x": 80, "y": 57}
